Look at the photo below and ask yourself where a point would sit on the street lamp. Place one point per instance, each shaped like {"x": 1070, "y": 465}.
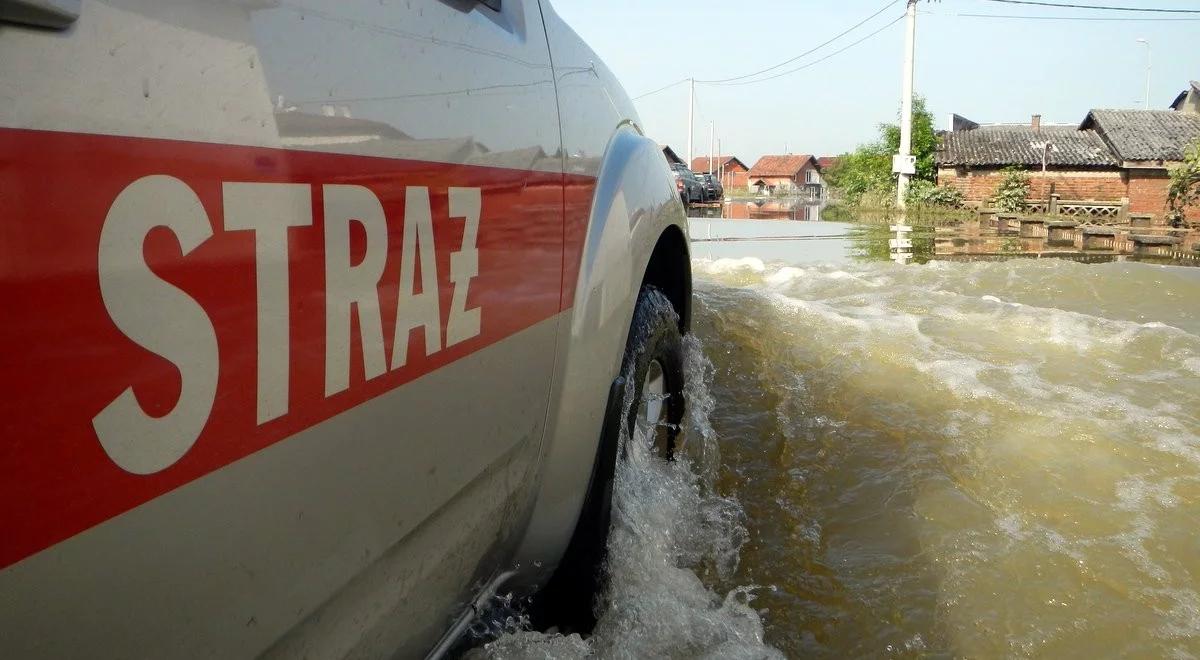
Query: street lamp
{"x": 1146, "y": 43}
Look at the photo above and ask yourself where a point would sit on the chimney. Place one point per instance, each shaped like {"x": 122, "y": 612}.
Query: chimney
{"x": 1036, "y": 122}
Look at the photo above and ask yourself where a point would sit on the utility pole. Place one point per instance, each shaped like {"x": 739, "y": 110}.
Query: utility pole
{"x": 691, "y": 116}
{"x": 904, "y": 164}
{"x": 720, "y": 165}
{"x": 1146, "y": 43}
{"x": 712, "y": 135}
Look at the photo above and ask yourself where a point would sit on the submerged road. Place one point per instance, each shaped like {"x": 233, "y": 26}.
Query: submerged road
{"x": 968, "y": 459}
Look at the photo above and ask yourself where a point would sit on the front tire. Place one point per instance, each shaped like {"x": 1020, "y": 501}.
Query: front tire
{"x": 645, "y": 404}
{"x": 653, "y": 364}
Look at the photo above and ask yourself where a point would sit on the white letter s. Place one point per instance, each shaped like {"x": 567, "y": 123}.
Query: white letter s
{"x": 159, "y": 317}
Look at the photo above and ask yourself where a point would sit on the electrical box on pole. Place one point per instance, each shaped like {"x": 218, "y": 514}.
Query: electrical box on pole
{"x": 904, "y": 164}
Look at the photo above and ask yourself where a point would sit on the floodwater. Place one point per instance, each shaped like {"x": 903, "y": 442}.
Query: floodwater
{"x": 957, "y": 458}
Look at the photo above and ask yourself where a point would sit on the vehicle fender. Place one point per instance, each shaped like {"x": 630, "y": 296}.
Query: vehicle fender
{"x": 634, "y": 203}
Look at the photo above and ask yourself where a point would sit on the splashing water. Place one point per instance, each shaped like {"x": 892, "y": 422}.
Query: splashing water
{"x": 671, "y": 534}
{"x": 958, "y": 459}
{"x": 968, "y": 459}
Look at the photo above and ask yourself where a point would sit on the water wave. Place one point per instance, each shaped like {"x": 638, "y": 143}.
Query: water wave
{"x": 968, "y": 459}
{"x": 672, "y": 537}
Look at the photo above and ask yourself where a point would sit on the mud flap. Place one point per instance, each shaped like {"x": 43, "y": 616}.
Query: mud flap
{"x": 568, "y": 599}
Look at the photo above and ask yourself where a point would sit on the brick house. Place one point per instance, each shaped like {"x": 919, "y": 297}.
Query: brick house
{"x": 1078, "y": 163}
{"x": 799, "y": 174}
{"x": 1145, "y": 143}
{"x": 732, "y": 169}
{"x": 1113, "y": 156}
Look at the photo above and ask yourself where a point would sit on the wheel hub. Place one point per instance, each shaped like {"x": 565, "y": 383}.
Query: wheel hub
{"x": 650, "y": 423}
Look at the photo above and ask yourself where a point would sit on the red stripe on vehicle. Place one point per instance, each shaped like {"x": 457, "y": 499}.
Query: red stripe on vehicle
{"x": 64, "y": 359}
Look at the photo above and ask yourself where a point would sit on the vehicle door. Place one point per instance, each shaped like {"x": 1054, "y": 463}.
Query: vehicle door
{"x": 282, "y": 281}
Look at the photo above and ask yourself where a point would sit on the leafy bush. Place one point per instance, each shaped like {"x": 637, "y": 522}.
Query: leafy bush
{"x": 1013, "y": 191}
{"x": 864, "y": 176}
{"x": 1184, "y": 191}
{"x": 867, "y": 171}
{"x": 927, "y": 193}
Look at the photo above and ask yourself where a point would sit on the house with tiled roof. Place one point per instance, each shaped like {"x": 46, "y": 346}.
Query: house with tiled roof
{"x": 1114, "y": 156}
{"x": 731, "y": 170}
{"x": 1078, "y": 163}
{"x": 797, "y": 174}
{"x": 1146, "y": 143}
{"x": 1145, "y": 138}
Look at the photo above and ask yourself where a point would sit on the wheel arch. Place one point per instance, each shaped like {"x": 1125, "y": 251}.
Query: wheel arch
{"x": 636, "y": 235}
{"x": 669, "y": 270}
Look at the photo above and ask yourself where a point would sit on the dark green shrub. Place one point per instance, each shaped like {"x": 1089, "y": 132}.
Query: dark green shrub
{"x": 1012, "y": 192}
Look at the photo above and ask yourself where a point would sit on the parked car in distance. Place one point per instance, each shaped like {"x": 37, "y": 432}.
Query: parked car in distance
{"x": 311, "y": 344}
{"x": 690, "y": 190}
{"x": 713, "y": 191}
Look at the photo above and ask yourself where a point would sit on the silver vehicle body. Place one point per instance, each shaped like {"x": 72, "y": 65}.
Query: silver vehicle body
{"x": 214, "y": 443}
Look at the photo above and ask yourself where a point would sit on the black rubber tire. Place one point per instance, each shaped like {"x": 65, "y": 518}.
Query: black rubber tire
{"x": 654, "y": 335}
{"x": 568, "y": 600}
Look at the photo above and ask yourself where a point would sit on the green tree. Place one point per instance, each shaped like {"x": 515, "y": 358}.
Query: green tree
{"x": 1184, "y": 191}
{"x": 924, "y": 140}
{"x": 864, "y": 171}
{"x": 867, "y": 171}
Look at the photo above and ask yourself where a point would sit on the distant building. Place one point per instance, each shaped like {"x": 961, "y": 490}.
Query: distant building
{"x": 961, "y": 123}
{"x": 799, "y": 174}
{"x": 731, "y": 168}
{"x": 1188, "y": 100}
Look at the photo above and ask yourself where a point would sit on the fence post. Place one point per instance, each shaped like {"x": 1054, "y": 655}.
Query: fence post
{"x": 1123, "y": 213}
{"x": 1052, "y": 209}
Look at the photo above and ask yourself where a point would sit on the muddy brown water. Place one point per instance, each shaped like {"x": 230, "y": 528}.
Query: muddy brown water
{"x": 976, "y": 459}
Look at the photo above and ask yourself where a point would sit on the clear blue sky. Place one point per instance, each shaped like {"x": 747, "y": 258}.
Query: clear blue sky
{"x": 990, "y": 70}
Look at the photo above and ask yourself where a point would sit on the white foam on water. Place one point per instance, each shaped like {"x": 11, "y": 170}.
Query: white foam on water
{"x": 726, "y": 265}
{"x": 961, "y": 375}
{"x": 784, "y": 275}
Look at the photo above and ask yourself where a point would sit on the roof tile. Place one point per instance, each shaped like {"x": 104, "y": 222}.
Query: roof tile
{"x": 1009, "y": 144}
{"x": 789, "y": 165}
{"x": 700, "y": 163}
{"x": 1146, "y": 134}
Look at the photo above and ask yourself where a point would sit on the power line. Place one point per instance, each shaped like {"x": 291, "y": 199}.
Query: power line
{"x": 1076, "y": 18}
{"x": 817, "y": 61}
{"x": 1106, "y": 8}
{"x": 734, "y": 80}
{"x": 812, "y": 50}
{"x": 740, "y": 80}
{"x": 660, "y": 89}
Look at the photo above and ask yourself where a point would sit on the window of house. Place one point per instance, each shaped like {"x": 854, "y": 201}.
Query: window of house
{"x": 811, "y": 176}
